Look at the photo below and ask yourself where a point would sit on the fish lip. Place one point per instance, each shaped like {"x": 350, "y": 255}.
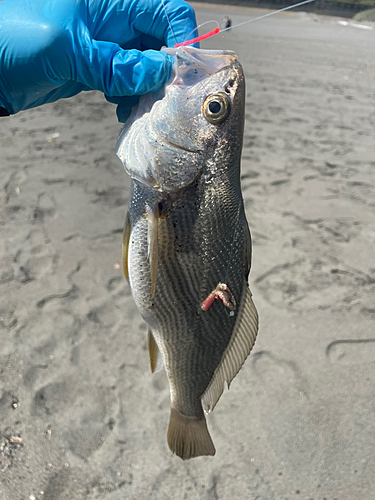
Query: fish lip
{"x": 177, "y": 146}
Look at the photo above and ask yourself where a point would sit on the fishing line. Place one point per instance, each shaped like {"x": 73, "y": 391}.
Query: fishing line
{"x": 269, "y": 14}
{"x": 170, "y": 25}
{"x": 202, "y": 37}
{"x": 218, "y": 30}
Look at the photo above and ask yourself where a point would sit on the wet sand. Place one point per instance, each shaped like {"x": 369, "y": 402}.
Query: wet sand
{"x": 75, "y": 385}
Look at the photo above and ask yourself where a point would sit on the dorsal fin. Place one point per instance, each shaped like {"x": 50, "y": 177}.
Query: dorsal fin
{"x": 238, "y": 349}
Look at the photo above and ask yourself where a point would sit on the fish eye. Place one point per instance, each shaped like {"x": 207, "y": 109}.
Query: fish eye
{"x": 216, "y": 108}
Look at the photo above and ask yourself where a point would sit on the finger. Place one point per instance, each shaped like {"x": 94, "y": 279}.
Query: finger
{"x": 123, "y": 111}
{"x": 125, "y": 20}
{"x": 125, "y": 106}
{"x": 182, "y": 22}
{"x": 127, "y": 102}
{"x": 106, "y": 67}
{"x": 172, "y": 21}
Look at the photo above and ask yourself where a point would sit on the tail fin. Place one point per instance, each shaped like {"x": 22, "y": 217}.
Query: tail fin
{"x": 188, "y": 437}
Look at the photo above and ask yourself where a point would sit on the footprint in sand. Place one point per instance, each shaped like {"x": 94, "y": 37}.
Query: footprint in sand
{"x": 279, "y": 376}
{"x": 351, "y": 351}
{"x": 45, "y": 208}
{"x": 77, "y": 414}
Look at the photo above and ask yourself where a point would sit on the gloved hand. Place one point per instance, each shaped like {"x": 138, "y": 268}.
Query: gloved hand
{"x": 51, "y": 49}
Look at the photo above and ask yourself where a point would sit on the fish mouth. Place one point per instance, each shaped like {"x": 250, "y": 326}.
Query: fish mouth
{"x": 211, "y": 61}
{"x": 193, "y": 65}
{"x": 183, "y": 148}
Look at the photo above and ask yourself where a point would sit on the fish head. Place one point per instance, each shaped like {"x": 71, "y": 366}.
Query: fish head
{"x": 171, "y": 136}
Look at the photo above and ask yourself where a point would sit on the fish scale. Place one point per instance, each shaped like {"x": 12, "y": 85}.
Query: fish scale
{"x": 195, "y": 238}
{"x": 180, "y": 291}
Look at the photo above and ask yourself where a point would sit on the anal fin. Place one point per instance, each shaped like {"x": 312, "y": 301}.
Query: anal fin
{"x": 238, "y": 349}
{"x": 153, "y": 228}
{"x": 156, "y": 361}
{"x": 188, "y": 437}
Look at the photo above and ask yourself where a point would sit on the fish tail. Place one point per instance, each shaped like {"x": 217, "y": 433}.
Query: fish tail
{"x": 188, "y": 437}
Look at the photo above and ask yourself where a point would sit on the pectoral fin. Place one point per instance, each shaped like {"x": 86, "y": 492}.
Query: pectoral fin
{"x": 125, "y": 246}
{"x": 238, "y": 349}
{"x": 156, "y": 361}
{"x": 153, "y": 223}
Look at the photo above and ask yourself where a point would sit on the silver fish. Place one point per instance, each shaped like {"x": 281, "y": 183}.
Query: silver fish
{"x": 187, "y": 245}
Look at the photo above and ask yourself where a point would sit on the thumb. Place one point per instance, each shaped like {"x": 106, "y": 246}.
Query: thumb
{"x": 105, "y": 66}
{"x": 124, "y": 106}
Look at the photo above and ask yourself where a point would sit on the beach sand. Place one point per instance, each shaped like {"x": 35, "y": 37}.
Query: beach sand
{"x": 75, "y": 384}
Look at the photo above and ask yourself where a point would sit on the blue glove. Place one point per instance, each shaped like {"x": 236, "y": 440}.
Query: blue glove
{"x": 50, "y": 49}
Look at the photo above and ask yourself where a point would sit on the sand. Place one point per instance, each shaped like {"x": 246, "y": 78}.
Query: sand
{"x": 75, "y": 385}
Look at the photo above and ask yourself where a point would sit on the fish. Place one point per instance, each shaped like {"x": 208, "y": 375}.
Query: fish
{"x": 187, "y": 244}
